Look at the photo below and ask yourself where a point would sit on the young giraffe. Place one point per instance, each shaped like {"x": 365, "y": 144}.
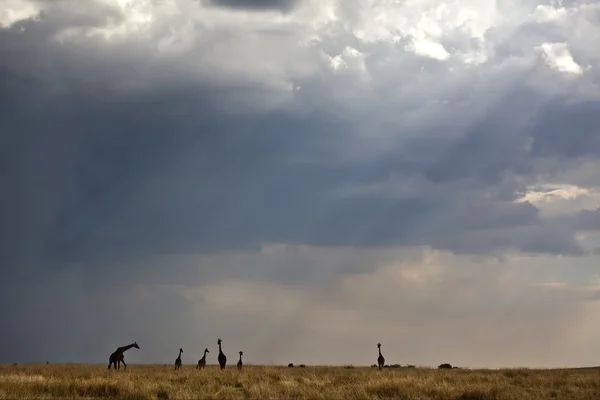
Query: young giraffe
{"x": 116, "y": 358}
{"x": 178, "y": 360}
{"x": 380, "y": 359}
{"x": 222, "y": 358}
{"x": 202, "y": 361}
{"x": 239, "y": 363}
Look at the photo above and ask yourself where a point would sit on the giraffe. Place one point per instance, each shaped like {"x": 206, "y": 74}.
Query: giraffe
{"x": 116, "y": 358}
{"x": 222, "y": 358}
{"x": 239, "y": 363}
{"x": 202, "y": 361}
{"x": 380, "y": 359}
{"x": 178, "y": 360}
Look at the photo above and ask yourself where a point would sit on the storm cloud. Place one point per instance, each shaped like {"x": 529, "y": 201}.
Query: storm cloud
{"x": 160, "y": 157}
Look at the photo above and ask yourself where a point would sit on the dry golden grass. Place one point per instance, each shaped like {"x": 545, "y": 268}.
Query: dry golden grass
{"x": 257, "y": 382}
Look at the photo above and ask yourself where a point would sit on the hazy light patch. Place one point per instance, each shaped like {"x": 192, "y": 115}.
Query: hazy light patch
{"x": 255, "y": 298}
{"x": 552, "y": 285}
{"x": 558, "y": 56}
{"x": 13, "y": 11}
{"x": 412, "y": 300}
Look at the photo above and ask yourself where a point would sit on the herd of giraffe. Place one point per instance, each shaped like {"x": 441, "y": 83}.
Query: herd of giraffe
{"x": 116, "y": 358}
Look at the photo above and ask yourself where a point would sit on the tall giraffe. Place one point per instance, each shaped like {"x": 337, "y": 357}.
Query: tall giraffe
{"x": 222, "y": 358}
{"x": 380, "y": 359}
{"x": 202, "y": 361}
{"x": 239, "y": 363}
{"x": 178, "y": 360}
{"x": 116, "y": 358}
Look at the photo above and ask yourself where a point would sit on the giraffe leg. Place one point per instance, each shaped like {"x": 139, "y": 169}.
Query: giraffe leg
{"x": 124, "y": 365}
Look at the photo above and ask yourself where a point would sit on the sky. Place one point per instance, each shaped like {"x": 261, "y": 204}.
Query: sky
{"x": 301, "y": 178}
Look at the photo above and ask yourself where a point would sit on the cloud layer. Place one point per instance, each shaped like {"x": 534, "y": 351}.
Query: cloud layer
{"x": 301, "y": 150}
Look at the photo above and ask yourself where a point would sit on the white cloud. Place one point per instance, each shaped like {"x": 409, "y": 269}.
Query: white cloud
{"x": 560, "y": 199}
{"x": 546, "y": 12}
{"x": 558, "y": 56}
{"x": 13, "y": 11}
{"x": 429, "y": 49}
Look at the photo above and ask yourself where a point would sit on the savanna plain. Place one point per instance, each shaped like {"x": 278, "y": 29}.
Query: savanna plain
{"x": 269, "y": 382}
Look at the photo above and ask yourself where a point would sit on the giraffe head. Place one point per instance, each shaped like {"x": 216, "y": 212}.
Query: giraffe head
{"x": 241, "y": 353}
{"x": 219, "y": 341}
{"x": 180, "y": 350}
{"x": 136, "y": 345}
{"x": 378, "y": 345}
{"x": 206, "y": 351}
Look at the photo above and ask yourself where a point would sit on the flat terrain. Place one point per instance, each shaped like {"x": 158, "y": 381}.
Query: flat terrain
{"x": 258, "y": 382}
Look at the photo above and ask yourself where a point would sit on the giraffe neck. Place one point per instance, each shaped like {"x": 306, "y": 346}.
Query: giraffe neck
{"x": 240, "y": 357}
{"x": 220, "y": 348}
{"x": 204, "y": 352}
{"x": 125, "y": 348}
{"x": 380, "y": 351}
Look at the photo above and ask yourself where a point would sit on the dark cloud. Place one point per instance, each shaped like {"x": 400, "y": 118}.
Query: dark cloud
{"x": 120, "y": 174}
{"x": 568, "y": 129}
{"x": 256, "y": 5}
{"x": 588, "y": 220}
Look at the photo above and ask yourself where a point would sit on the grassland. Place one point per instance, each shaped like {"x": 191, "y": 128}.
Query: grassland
{"x": 257, "y": 382}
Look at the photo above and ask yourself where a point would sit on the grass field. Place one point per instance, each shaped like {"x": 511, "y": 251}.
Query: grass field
{"x": 257, "y": 382}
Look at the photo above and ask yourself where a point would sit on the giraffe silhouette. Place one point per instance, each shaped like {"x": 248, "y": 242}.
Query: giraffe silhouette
{"x": 117, "y": 357}
{"x": 380, "y": 359}
{"x": 239, "y": 363}
{"x": 178, "y": 360}
{"x": 221, "y": 358}
{"x": 202, "y": 361}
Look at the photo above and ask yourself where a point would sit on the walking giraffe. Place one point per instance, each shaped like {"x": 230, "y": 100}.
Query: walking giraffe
{"x": 117, "y": 357}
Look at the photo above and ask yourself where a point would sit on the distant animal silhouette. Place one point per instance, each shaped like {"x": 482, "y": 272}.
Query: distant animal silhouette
{"x": 239, "y": 363}
{"x": 291, "y": 365}
{"x": 221, "y": 358}
{"x": 117, "y": 357}
{"x": 380, "y": 359}
{"x": 202, "y": 361}
{"x": 178, "y": 360}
